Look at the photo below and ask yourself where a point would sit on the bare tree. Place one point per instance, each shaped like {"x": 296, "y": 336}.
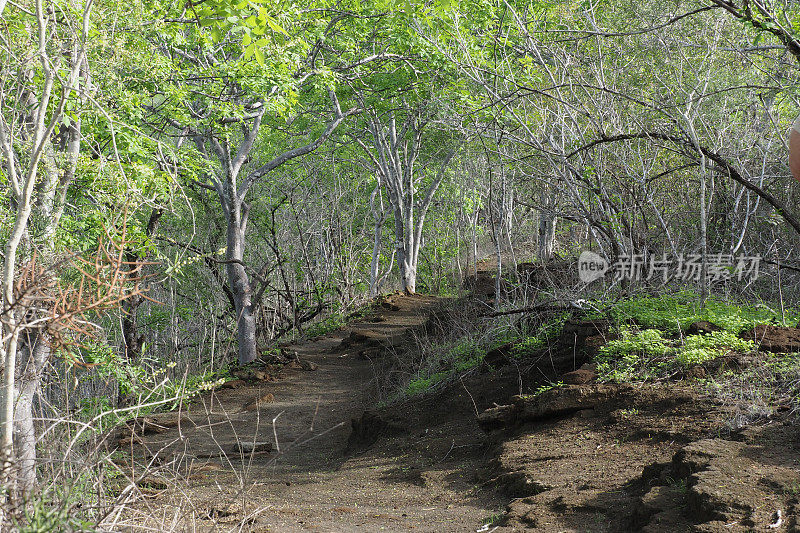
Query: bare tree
{"x": 232, "y": 192}
{"x": 394, "y": 152}
{"x": 30, "y": 111}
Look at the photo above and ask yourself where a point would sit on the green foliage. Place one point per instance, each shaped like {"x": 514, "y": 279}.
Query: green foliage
{"x": 424, "y": 384}
{"x": 547, "y": 387}
{"x": 673, "y": 312}
{"x": 647, "y": 354}
{"x": 632, "y": 356}
{"x": 46, "y": 517}
{"x": 528, "y": 344}
{"x": 334, "y": 320}
{"x": 698, "y": 349}
{"x": 329, "y": 324}
{"x": 493, "y": 519}
{"x": 62, "y": 507}
{"x": 457, "y": 358}
{"x": 148, "y": 381}
{"x": 109, "y": 365}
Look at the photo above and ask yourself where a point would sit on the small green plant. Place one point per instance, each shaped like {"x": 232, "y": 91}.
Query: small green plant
{"x": 424, "y": 384}
{"x": 335, "y": 320}
{"x": 647, "y": 354}
{"x": 460, "y": 357}
{"x": 527, "y": 345}
{"x": 792, "y": 489}
{"x": 672, "y": 313}
{"x": 636, "y": 355}
{"x": 465, "y": 355}
{"x": 680, "y": 485}
{"x": 64, "y": 506}
{"x": 493, "y": 519}
{"x": 548, "y": 387}
{"x": 147, "y": 381}
{"x": 698, "y": 349}
{"x": 541, "y": 389}
{"x": 329, "y": 324}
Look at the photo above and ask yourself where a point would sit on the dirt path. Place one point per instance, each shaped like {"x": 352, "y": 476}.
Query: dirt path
{"x": 491, "y": 447}
{"x": 419, "y": 477}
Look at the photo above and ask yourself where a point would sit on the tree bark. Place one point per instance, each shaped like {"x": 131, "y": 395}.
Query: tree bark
{"x": 34, "y": 353}
{"x": 547, "y": 235}
{"x": 240, "y": 286}
{"x": 379, "y": 217}
{"x": 547, "y": 226}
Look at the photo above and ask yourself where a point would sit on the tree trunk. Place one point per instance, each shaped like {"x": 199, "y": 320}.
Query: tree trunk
{"x": 547, "y": 235}
{"x": 131, "y": 338}
{"x": 34, "y": 353}
{"x": 240, "y": 287}
{"x": 407, "y": 275}
{"x": 379, "y": 217}
{"x": 410, "y": 280}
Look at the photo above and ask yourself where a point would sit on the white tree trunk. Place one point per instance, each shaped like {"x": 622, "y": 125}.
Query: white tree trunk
{"x": 547, "y": 235}
{"x": 240, "y": 287}
{"x": 34, "y": 354}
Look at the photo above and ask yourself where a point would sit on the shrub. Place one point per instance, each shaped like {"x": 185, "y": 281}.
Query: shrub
{"x": 526, "y": 345}
{"x": 698, "y": 349}
{"x": 673, "y": 312}
{"x": 628, "y": 357}
{"x": 641, "y": 355}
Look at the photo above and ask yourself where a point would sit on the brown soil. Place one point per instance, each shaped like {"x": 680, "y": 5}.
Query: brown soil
{"x": 411, "y": 468}
{"x": 313, "y": 451}
{"x": 773, "y": 338}
{"x": 645, "y": 458}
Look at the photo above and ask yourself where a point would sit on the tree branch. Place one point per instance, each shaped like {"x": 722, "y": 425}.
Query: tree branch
{"x": 733, "y": 173}
{"x": 263, "y": 170}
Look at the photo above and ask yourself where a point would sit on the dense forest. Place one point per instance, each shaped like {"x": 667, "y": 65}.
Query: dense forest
{"x": 189, "y": 189}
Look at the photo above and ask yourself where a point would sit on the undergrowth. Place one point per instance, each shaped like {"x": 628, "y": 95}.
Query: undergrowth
{"x": 648, "y": 341}
{"x": 771, "y": 382}
{"x": 652, "y": 344}
{"x": 673, "y": 313}
{"x": 641, "y": 355}
{"x": 336, "y": 320}
{"x": 651, "y": 334}
{"x": 147, "y": 384}
{"x": 446, "y": 360}
{"x": 443, "y": 359}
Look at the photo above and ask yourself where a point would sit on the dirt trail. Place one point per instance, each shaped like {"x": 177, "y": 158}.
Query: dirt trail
{"x": 419, "y": 477}
{"x": 491, "y": 447}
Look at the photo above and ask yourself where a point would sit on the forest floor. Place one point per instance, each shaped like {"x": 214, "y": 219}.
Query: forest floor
{"x": 311, "y": 449}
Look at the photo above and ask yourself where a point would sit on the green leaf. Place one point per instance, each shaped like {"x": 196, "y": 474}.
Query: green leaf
{"x": 275, "y": 26}
{"x": 259, "y": 56}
